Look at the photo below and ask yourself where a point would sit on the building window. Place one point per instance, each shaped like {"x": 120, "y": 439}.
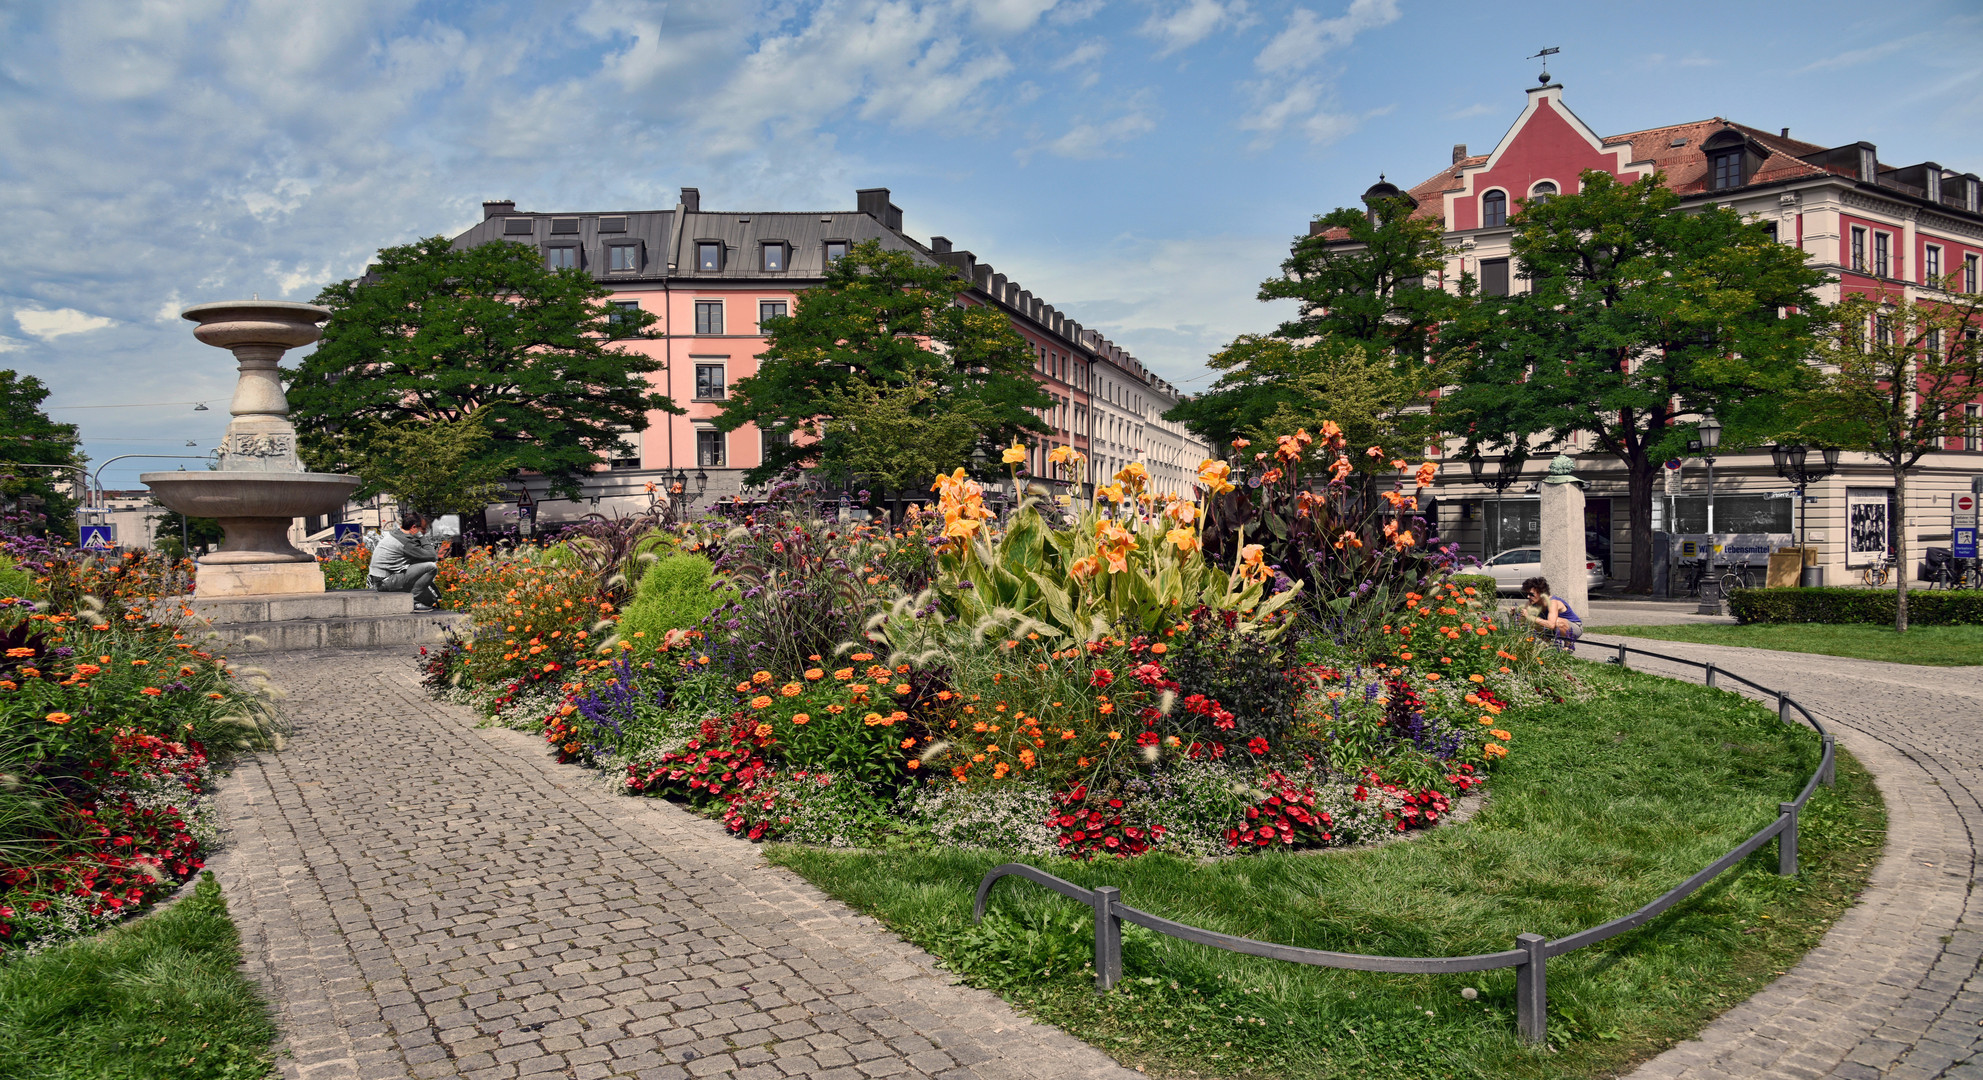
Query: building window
{"x": 709, "y": 316}
{"x": 709, "y": 382}
{"x": 1969, "y": 273}
{"x": 518, "y": 226}
{"x": 1883, "y": 331}
{"x": 564, "y": 225}
{"x": 772, "y": 441}
{"x": 1931, "y": 265}
{"x": 835, "y": 251}
{"x": 768, "y": 310}
{"x": 1882, "y": 254}
{"x": 708, "y": 448}
{"x": 621, "y": 258}
{"x": 618, "y": 311}
{"x": 561, "y": 258}
{"x": 1770, "y": 228}
{"x": 1972, "y": 435}
{"x": 708, "y": 256}
{"x": 1542, "y": 193}
{"x": 1493, "y": 209}
{"x": 774, "y": 258}
{"x": 626, "y": 454}
{"x": 1494, "y": 277}
{"x": 1932, "y": 343}
{"x": 1859, "y": 250}
{"x": 1727, "y": 169}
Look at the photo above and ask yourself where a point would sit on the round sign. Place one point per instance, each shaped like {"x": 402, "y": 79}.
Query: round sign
{"x": 1965, "y": 503}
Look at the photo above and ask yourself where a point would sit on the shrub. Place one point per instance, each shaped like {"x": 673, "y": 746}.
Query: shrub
{"x": 348, "y": 569}
{"x": 674, "y": 594}
{"x": 1841, "y": 605}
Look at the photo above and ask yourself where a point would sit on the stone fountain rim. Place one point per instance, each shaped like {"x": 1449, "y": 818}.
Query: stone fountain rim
{"x": 249, "y": 474}
{"x": 194, "y": 313}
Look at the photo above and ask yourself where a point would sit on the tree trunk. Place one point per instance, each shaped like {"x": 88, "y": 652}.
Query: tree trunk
{"x": 1900, "y": 566}
{"x": 1640, "y": 493}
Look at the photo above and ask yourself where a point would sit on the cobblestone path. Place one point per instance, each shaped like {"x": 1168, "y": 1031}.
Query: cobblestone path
{"x": 425, "y": 899}
{"x": 1894, "y": 990}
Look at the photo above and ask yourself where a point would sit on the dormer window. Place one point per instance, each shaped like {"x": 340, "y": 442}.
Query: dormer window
{"x": 622, "y": 258}
{"x": 1494, "y": 209}
{"x": 773, "y": 258}
{"x": 835, "y": 251}
{"x": 562, "y": 257}
{"x": 1542, "y": 193}
{"x": 708, "y": 255}
{"x": 1727, "y": 169}
{"x": 1732, "y": 159}
{"x": 518, "y": 226}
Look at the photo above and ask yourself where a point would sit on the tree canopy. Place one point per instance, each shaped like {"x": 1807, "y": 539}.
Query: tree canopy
{"x": 882, "y": 321}
{"x": 432, "y": 334}
{"x": 1358, "y": 346}
{"x": 1637, "y": 313}
{"x": 435, "y": 467}
{"x": 29, "y": 439}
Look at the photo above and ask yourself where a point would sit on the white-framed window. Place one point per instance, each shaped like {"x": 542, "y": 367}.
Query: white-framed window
{"x": 1931, "y": 264}
{"x": 709, "y": 448}
{"x": 625, "y": 454}
{"x": 1493, "y": 209}
{"x": 1857, "y": 258}
{"x": 1882, "y": 254}
{"x": 709, "y": 317}
{"x": 1542, "y": 193}
{"x": 770, "y": 309}
{"x": 710, "y": 383}
{"x": 1972, "y": 432}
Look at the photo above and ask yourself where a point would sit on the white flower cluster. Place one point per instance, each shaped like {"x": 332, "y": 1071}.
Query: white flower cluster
{"x": 526, "y": 711}
{"x": 1007, "y": 818}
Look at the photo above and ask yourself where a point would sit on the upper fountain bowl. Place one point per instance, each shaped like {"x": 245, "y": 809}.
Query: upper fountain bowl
{"x": 232, "y": 323}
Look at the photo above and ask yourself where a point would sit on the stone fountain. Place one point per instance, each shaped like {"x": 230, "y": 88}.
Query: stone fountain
{"x": 261, "y": 485}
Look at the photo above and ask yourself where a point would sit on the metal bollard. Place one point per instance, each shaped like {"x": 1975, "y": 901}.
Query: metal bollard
{"x": 1108, "y": 939}
{"x": 1621, "y": 654}
{"x": 1786, "y": 841}
{"x": 1532, "y": 990}
{"x": 1782, "y": 708}
{"x": 1710, "y": 676}
{"x": 1830, "y": 765}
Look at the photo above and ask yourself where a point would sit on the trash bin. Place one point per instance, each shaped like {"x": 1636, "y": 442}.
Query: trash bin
{"x": 1813, "y": 577}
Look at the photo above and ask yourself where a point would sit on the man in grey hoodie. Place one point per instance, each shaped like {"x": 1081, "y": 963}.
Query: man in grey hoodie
{"x": 404, "y": 561}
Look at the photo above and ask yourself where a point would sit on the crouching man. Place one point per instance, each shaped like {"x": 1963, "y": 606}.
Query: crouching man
{"x": 405, "y": 561}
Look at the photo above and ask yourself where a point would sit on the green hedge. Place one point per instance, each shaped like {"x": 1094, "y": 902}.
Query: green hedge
{"x": 1481, "y": 582}
{"x": 1836, "y": 605}
{"x": 673, "y": 595}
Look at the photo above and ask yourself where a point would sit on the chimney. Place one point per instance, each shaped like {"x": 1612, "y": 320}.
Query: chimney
{"x": 497, "y": 208}
{"x": 874, "y": 203}
{"x": 1785, "y": 133}
{"x": 1459, "y": 152}
{"x": 940, "y": 245}
{"x": 692, "y": 200}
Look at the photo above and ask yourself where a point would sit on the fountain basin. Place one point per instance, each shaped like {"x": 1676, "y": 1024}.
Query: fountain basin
{"x": 255, "y": 510}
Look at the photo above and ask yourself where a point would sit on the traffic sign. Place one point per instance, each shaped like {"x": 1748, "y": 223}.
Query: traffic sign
{"x": 347, "y": 533}
{"x": 97, "y": 538}
{"x": 1964, "y": 504}
{"x": 1963, "y": 545}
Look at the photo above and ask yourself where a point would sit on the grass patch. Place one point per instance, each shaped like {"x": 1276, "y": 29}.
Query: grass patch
{"x": 162, "y": 996}
{"x": 1604, "y": 805}
{"x": 1936, "y": 646}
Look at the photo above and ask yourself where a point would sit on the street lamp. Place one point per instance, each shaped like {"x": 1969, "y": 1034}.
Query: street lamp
{"x": 1507, "y": 470}
{"x": 1710, "y": 434}
{"x": 1793, "y": 464}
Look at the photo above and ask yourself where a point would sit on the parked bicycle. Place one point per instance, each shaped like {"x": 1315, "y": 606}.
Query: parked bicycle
{"x": 1736, "y": 576}
{"x": 1878, "y": 573}
{"x": 1945, "y": 571}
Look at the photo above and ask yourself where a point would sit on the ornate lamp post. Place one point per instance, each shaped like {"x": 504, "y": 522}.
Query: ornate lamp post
{"x": 1710, "y": 433}
{"x": 1507, "y": 470}
{"x": 1793, "y": 464}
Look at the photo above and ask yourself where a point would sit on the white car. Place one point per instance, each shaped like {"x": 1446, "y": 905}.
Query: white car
{"x": 1516, "y": 565}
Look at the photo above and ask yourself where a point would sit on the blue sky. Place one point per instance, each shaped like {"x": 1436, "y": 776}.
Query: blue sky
{"x": 1142, "y": 164}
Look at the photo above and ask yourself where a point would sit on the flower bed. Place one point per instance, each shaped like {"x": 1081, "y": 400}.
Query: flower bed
{"x": 1091, "y": 686}
{"x": 107, "y": 721}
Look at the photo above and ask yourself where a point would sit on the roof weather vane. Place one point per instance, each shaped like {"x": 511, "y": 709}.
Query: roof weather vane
{"x": 1551, "y": 51}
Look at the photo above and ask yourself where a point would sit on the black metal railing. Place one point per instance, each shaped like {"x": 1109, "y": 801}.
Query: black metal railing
{"x": 1532, "y": 952}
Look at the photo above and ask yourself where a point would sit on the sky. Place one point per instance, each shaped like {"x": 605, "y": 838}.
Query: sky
{"x": 1140, "y": 164}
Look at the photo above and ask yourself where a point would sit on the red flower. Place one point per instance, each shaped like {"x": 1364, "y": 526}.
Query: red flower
{"x": 1258, "y": 745}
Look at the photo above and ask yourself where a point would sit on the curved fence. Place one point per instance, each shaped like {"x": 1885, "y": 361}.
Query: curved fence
{"x": 1532, "y": 952}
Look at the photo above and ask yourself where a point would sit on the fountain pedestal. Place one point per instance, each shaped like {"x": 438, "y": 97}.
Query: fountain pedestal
{"x": 261, "y": 485}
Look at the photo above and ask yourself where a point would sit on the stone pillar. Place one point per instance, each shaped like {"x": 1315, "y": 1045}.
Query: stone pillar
{"x": 1563, "y": 554}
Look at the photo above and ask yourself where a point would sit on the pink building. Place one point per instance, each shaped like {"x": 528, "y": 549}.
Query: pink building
{"x": 712, "y": 277}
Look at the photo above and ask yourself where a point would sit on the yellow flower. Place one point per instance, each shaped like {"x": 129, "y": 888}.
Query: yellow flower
{"x": 1215, "y": 475}
{"x": 1186, "y": 540}
{"x": 1013, "y": 454}
{"x": 1134, "y": 476}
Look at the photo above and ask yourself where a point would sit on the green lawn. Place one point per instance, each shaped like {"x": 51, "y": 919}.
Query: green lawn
{"x": 159, "y": 997}
{"x": 1603, "y": 805}
{"x": 1939, "y": 646}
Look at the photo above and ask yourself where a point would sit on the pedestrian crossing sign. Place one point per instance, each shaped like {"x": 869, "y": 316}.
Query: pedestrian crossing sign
{"x": 98, "y": 538}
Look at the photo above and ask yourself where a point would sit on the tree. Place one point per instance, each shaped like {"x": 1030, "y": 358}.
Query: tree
{"x": 432, "y": 334}
{"x": 1365, "y": 326}
{"x": 28, "y": 440}
{"x": 434, "y": 467}
{"x": 1897, "y": 377}
{"x": 882, "y": 320}
{"x": 897, "y": 438}
{"x": 177, "y": 536}
{"x": 1638, "y": 313}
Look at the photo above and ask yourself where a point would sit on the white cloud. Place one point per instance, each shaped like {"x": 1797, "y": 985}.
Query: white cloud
{"x": 1855, "y": 57}
{"x": 8, "y": 345}
{"x": 1087, "y": 140}
{"x": 49, "y": 325}
{"x": 1478, "y": 108}
{"x": 1086, "y": 53}
{"x": 1193, "y": 21}
{"x": 1007, "y": 16}
{"x": 1308, "y": 37}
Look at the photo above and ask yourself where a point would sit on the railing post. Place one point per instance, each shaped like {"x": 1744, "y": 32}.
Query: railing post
{"x": 1532, "y": 990}
{"x": 1786, "y": 841}
{"x": 1621, "y": 654}
{"x": 1710, "y": 676}
{"x": 1782, "y": 707}
{"x": 1108, "y": 938}
{"x": 1829, "y": 763}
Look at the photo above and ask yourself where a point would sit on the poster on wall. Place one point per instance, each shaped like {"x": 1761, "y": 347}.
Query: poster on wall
{"x": 1866, "y": 525}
